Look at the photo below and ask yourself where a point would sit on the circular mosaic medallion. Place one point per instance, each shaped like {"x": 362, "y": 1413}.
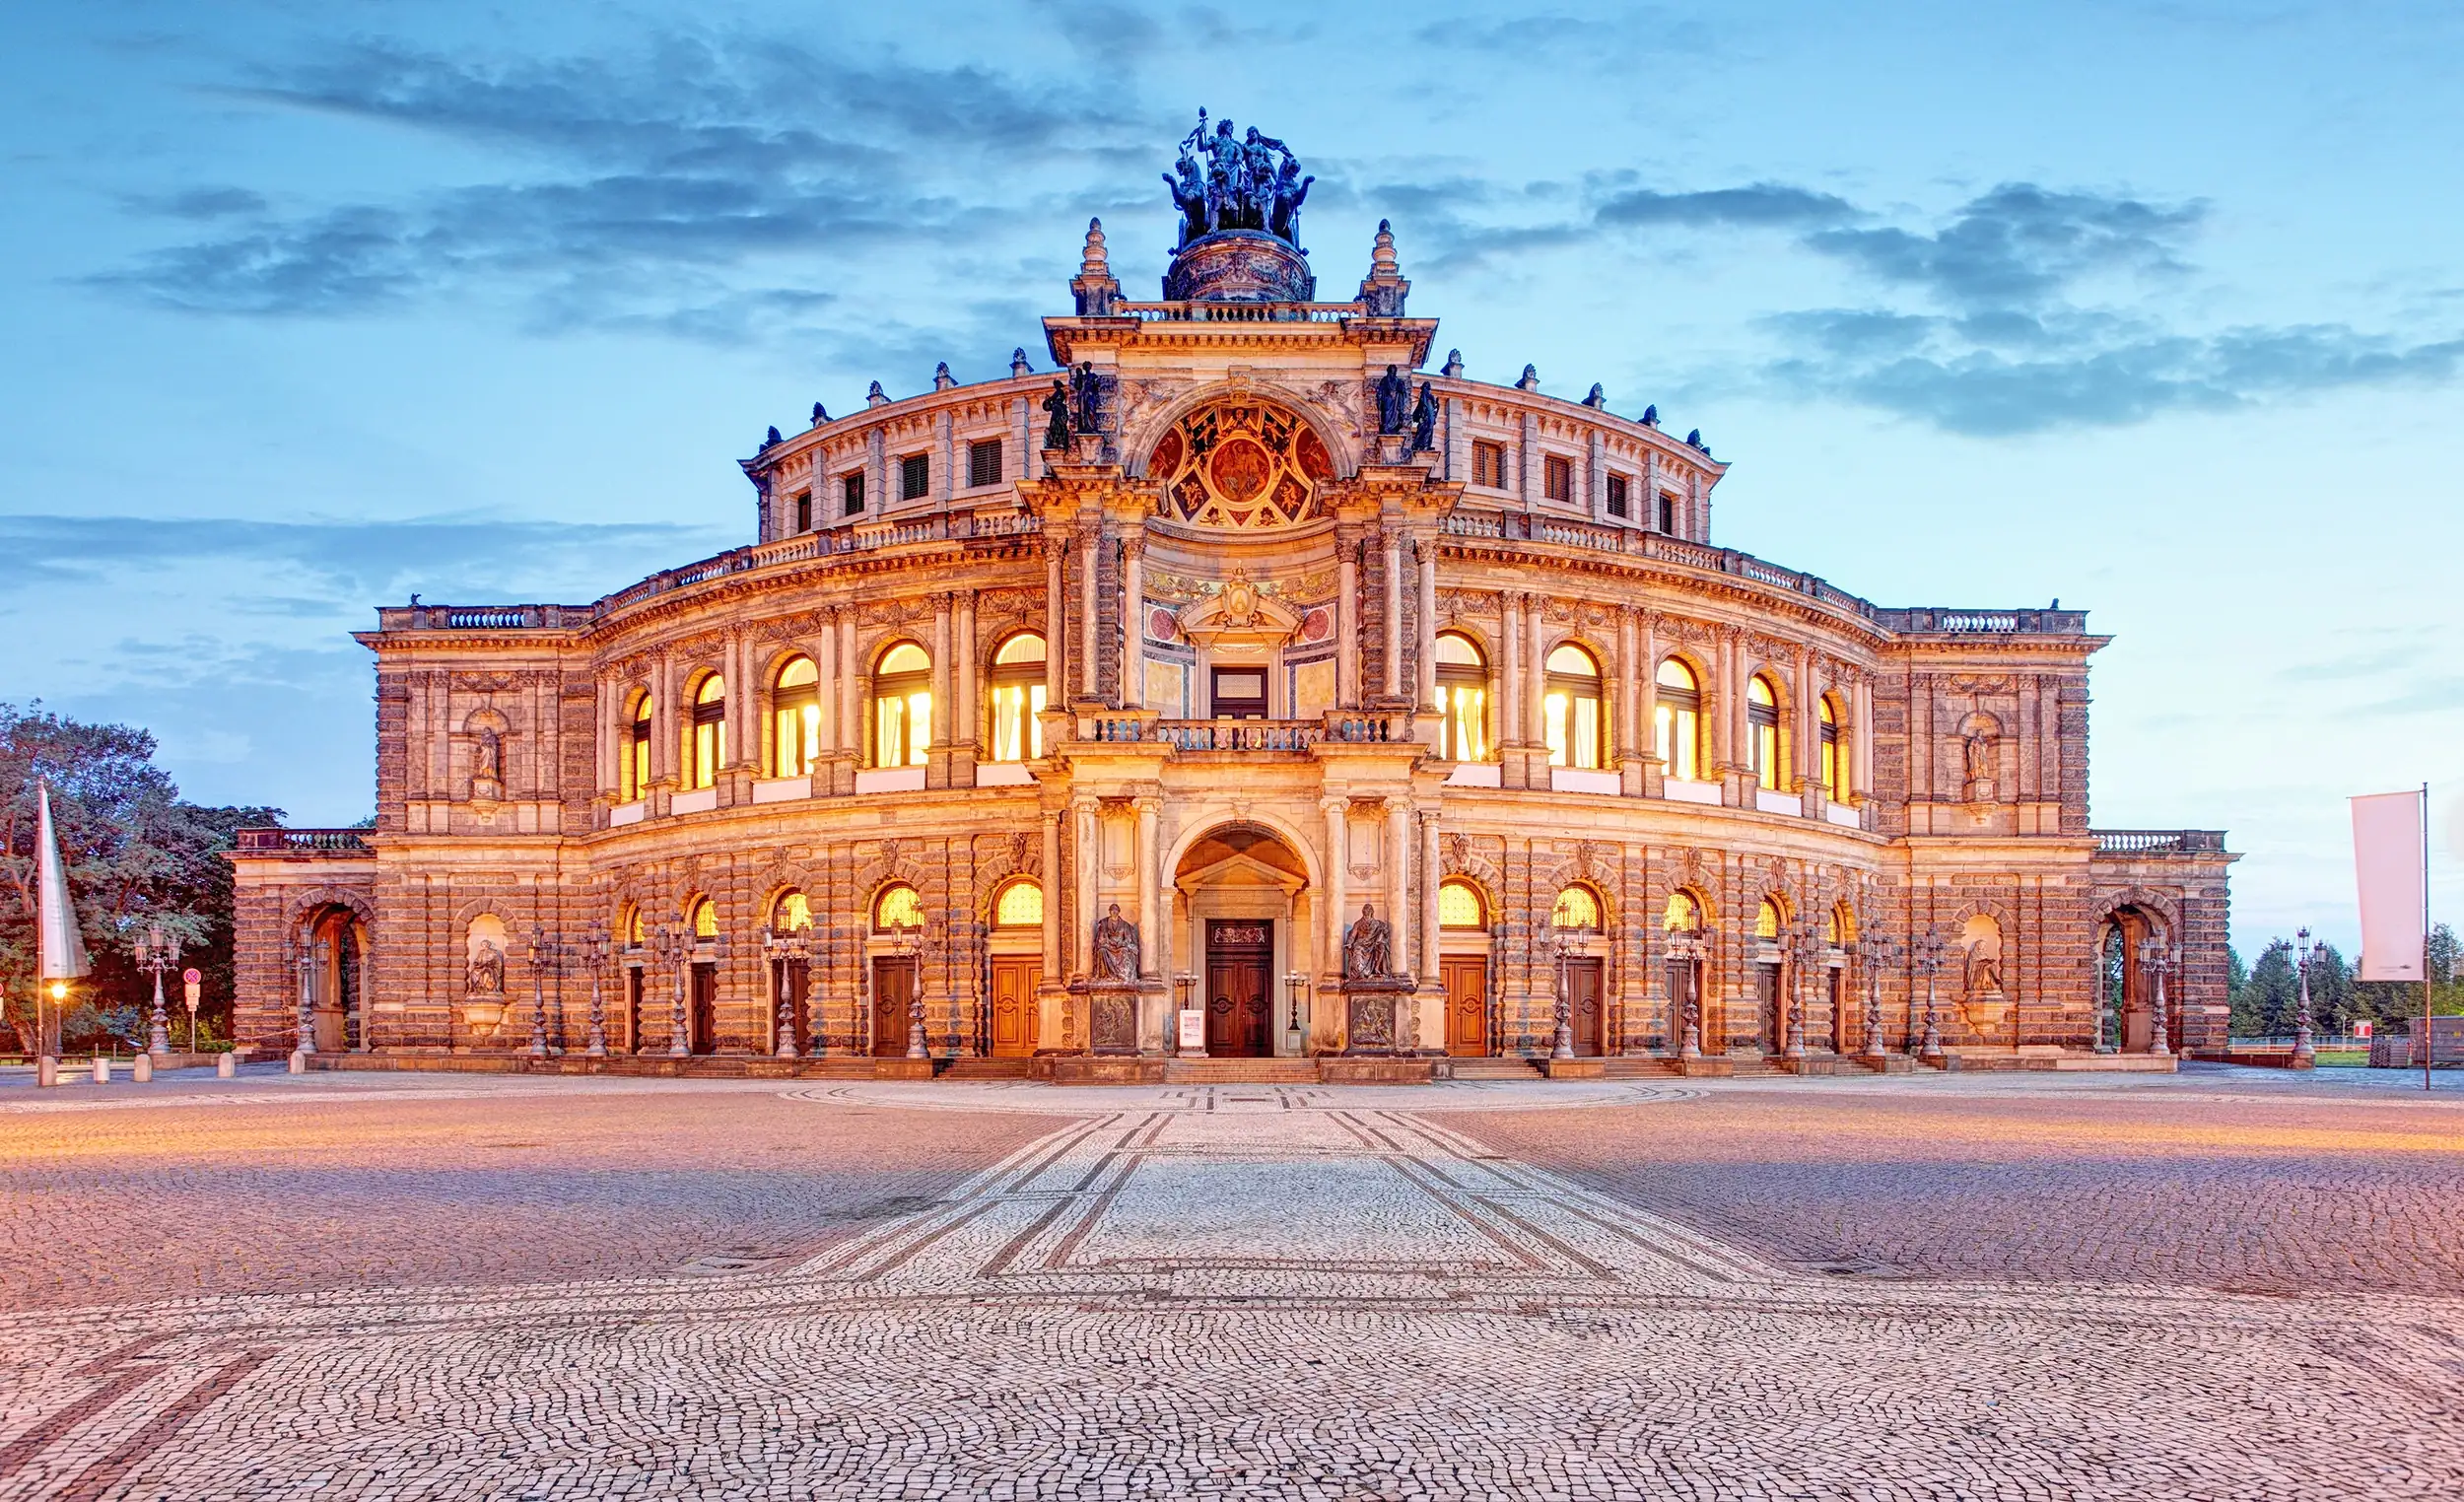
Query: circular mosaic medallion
{"x": 1241, "y": 463}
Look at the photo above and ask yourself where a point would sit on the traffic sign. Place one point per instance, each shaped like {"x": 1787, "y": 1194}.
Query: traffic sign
{"x": 192, "y": 975}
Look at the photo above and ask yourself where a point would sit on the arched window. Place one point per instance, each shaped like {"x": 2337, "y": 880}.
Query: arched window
{"x": 1679, "y": 720}
{"x": 706, "y": 739}
{"x": 1462, "y": 699}
{"x": 1578, "y": 906}
{"x": 792, "y": 912}
{"x": 1763, "y": 731}
{"x": 795, "y": 714}
{"x": 1839, "y": 927}
{"x": 631, "y": 932}
{"x": 633, "y": 775}
{"x": 705, "y": 920}
{"x": 1570, "y": 709}
{"x": 1016, "y": 699}
{"x": 1834, "y": 755}
{"x": 902, "y": 707}
{"x": 1020, "y": 905}
{"x": 1459, "y": 906}
{"x": 1684, "y": 915}
{"x": 1767, "y": 922}
{"x": 898, "y": 906}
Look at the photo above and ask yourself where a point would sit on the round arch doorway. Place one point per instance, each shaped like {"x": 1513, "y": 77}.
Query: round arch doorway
{"x": 1241, "y": 913}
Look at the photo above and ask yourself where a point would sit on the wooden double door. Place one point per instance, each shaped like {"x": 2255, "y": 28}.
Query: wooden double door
{"x": 1013, "y": 1005}
{"x": 1586, "y": 1011}
{"x": 892, "y": 990}
{"x": 1466, "y": 979}
{"x": 1240, "y": 988}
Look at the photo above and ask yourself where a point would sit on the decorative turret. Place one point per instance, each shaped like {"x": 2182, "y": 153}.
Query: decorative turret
{"x": 1095, "y": 287}
{"x": 1386, "y": 288}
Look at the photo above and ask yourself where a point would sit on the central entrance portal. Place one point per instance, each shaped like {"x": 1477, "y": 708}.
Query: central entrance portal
{"x": 1240, "y": 988}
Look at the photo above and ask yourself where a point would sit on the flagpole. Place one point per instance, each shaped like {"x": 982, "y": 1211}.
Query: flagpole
{"x": 2429, "y": 1040}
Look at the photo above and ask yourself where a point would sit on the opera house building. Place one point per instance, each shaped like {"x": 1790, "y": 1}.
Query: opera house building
{"x": 1238, "y": 677}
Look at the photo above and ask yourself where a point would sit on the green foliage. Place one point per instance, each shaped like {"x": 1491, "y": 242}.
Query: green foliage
{"x": 2268, "y": 998}
{"x": 2396, "y": 1004}
{"x": 136, "y": 854}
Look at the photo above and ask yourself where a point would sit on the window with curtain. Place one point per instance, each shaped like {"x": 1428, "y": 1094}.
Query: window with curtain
{"x": 1767, "y": 921}
{"x": 1462, "y": 699}
{"x": 1459, "y": 906}
{"x": 706, "y": 736}
{"x": 1834, "y": 755}
{"x": 795, "y": 720}
{"x": 1683, "y": 914}
{"x": 1763, "y": 731}
{"x": 1014, "y": 697}
{"x": 633, "y": 773}
{"x": 1678, "y": 720}
{"x": 902, "y": 707}
{"x": 1570, "y": 716}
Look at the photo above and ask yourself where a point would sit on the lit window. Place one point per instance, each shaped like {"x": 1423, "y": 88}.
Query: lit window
{"x": 1570, "y": 716}
{"x": 1462, "y": 699}
{"x": 1678, "y": 720}
{"x": 1767, "y": 921}
{"x": 706, "y": 739}
{"x": 1016, "y": 699}
{"x": 902, "y": 707}
{"x": 795, "y": 714}
{"x": 1684, "y": 915}
{"x": 1578, "y": 906}
{"x": 705, "y": 920}
{"x": 1459, "y": 906}
{"x": 1835, "y": 756}
{"x": 1839, "y": 928}
{"x": 1020, "y": 905}
{"x": 897, "y": 907}
{"x": 914, "y": 477}
{"x": 792, "y": 912}
{"x": 1763, "y": 731}
{"x": 632, "y": 928}
{"x": 634, "y": 775}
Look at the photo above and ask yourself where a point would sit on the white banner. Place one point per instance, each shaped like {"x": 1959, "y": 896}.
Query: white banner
{"x": 62, "y": 947}
{"x": 2388, "y": 863}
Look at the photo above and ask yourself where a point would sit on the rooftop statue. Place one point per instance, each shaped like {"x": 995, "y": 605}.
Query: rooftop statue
{"x": 1224, "y": 182}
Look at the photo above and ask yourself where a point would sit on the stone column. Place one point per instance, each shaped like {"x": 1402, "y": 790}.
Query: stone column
{"x": 1133, "y": 605}
{"x": 1650, "y": 518}
{"x": 1338, "y": 860}
{"x": 1091, "y": 543}
{"x": 1399, "y": 877}
{"x": 1527, "y": 464}
{"x": 941, "y": 675}
{"x": 1393, "y": 615}
{"x": 1647, "y": 691}
{"x": 1724, "y": 687}
{"x": 966, "y": 716}
{"x": 1627, "y": 731}
{"x": 610, "y": 704}
{"x": 1056, "y": 625}
{"x": 1807, "y": 764}
{"x": 1596, "y": 477}
{"x": 1510, "y": 674}
{"x": 1346, "y": 624}
{"x": 851, "y": 727}
{"x": 1150, "y": 931}
{"x": 663, "y": 732}
{"x": 1860, "y": 767}
{"x": 1429, "y": 881}
{"x": 1053, "y": 965}
{"x": 1536, "y": 676}
{"x": 1425, "y": 688}
{"x": 743, "y": 733}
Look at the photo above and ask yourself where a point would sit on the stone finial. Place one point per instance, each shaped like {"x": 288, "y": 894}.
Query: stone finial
{"x": 1384, "y": 290}
{"x": 1530, "y": 380}
{"x": 1451, "y": 369}
{"x": 771, "y": 440}
{"x": 1694, "y": 441}
{"x": 877, "y": 397}
{"x": 1599, "y": 400}
{"x": 1651, "y": 415}
{"x": 821, "y": 414}
{"x": 1018, "y": 361}
{"x": 942, "y": 379}
{"x": 1095, "y": 287}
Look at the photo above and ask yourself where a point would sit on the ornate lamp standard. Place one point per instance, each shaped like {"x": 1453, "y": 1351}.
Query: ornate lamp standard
{"x": 2154, "y": 959}
{"x": 1928, "y": 959}
{"x": 1875, "y": 952}
{"x": 2302, "y": 1053}
{"x": 158, "y": 952}
{"x": 1565, "y": 941}
{"x": 793, "y": 947}
{"x": 668, "y": 947}
{"x": 547, "y": 954}
{"x": 1686, "y": 946}
{"x": 596, "y": 948}
{"x": 1805, "y": 951}
{"x": 1296, "y": 1007}
{"x": 312, "y": 955}
{"x": 1182, "y": 986}
{"x": 911, "y": 947}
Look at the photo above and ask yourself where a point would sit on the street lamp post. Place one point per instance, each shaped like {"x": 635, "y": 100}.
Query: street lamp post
{"x": 2154, "y": 959}
{"x": 158, "y": 952}
{"x": 309, "y": 952}
{"x": 1875, "y": 952}
{"x": 1562, "y": 1045}
{"x": 595, "y": 948}
{"x": 1296, "y": 1007}
{"x": 2302, "y": 1052}
{"x": 792, "y": 947}
{"x": 1805, "y": 942}
{"x": 1928, "y": 959}
{"x": 1686, "y": 946}
{"x": 918, "y": 1041}
{"x": 542, "y": 956}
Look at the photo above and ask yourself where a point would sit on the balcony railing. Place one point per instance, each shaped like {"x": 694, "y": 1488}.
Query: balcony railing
{"x": 301, "y": 841}
{"x": 1238, "y": 734}
{"x": 2160, "y": 842}
{"x": 1931, "y": 619}
{"x": 1240, "y": 313}
{"x": 1356, "y": 727}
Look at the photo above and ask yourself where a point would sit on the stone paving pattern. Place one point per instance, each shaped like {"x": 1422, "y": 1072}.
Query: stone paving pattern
{"x": 1213, "y": 1291}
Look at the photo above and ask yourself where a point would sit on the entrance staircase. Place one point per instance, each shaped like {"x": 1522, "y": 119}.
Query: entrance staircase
{"x": 989, "y": 1068}
{"x": 1240, "y": 1072}
{"x": 1497, "y": 1068}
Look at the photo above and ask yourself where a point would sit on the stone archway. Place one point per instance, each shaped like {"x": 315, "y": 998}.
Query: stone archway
{"x": 332, "y": 938}
{"x": 2126, "y": 1010}
{"x": 1239, "y": 917}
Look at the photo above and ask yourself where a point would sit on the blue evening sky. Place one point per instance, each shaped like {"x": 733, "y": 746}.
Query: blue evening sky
{"x": 2151, "y": 308}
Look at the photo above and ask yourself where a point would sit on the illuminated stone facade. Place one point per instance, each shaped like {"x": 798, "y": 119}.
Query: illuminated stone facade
{"x": 1245, "y": 617}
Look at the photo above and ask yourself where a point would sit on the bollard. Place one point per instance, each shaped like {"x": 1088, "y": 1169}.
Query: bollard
{"x": 47, "y": 1070}
{"x": 102, "y": 1070}
{"x": 143, "y": 1070}
{"x": 226, "y": 1066}
{"x": 298, "y": 1062}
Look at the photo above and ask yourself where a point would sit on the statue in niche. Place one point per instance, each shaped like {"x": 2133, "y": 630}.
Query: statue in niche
{"x": 1116, "y": 946}
{"x": 1984, "y": 967}
{"x": 1086, "y": 393}
{"x": 484, "y": 976}
{"x": 1980, "y": 756}
{"x": 490, "y": 765}
{"x": 1056, "y": 422}
{"x": 1393, "y": 391}
{"x": 1368, "y": 946}
{"x": 1424, "y": 420}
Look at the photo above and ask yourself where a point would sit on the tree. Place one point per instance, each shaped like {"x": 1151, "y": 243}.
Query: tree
{"x": 2266, "y": 1006}
{"x": 135, "y": 852}
{"x": 2398, "y": 1003}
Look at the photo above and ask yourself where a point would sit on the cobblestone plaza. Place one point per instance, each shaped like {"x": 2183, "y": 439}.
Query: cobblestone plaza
{"x": 2221, "y": 1283}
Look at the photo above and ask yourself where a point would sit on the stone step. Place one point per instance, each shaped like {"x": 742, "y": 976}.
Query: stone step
{"x": 1497, "y": 1068}
{"x": 989, "y": 1068}
{"x": 1240, "y": 1072}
